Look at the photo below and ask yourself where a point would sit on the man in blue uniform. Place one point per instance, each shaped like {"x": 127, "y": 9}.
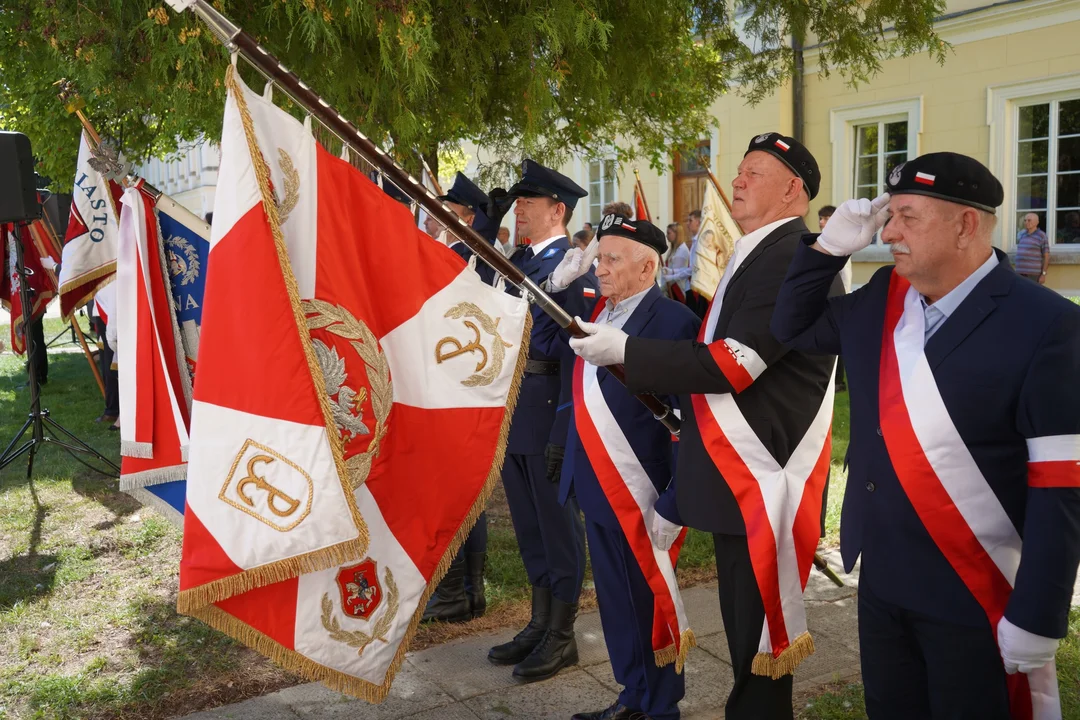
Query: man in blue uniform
{"x": 550, "y": 535}
{"x": 963, "y": 495}
{"x": 602, "y": 478}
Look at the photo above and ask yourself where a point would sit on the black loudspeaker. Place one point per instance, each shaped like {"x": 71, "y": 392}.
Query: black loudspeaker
{"x": 18, "y": 190}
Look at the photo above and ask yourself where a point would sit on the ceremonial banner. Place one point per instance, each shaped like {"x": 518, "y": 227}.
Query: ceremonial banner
{"x": 714, "y": 245}
{"x": 154, "y": 410}
{"x": 186, "y": 241}
{"x": 417, "y": 377}
{"x": 89, "y": 258}
{"x": 641, "y": 208}
{"x": 42, "y": 282}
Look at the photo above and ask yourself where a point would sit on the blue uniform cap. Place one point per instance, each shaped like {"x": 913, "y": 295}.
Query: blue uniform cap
{"x": 539, "y": 181}
{"x": 465, "y": 192}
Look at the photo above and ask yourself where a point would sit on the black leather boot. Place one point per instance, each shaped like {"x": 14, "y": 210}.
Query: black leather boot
{"x": 474, "y": 582}
{"x": 558, "y": 648}
{"x": 449, "y": 603}
{"x": 518, "y": 649}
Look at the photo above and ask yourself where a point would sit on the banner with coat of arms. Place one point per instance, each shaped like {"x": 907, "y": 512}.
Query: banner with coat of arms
{"x": 714, "y": 245}
{"x": 319, "y": 369}
{"x": 186, "y": 241}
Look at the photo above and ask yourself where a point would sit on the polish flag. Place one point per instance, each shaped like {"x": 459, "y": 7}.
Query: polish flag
{"x": 924, "y": 178}
{"x": 318, "y": 367}
{"x": 782, "y": 145}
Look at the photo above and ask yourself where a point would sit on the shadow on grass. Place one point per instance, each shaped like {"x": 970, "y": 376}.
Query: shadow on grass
{"x": 182, "y": 666}
{"x": 29, "y": 576}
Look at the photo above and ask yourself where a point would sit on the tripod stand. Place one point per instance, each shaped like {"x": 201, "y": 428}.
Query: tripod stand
{"x": 39, "y": 421}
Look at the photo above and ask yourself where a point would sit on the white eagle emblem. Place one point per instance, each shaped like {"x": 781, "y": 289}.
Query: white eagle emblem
{"x": 761, "y": 138}
{"x": 348, "y": 400}
{"x": 183, "y": 259}
{"x": 894, "y": 176}
{"x": 607, "y": 222}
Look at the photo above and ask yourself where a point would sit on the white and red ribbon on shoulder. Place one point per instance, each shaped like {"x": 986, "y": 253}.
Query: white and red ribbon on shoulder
{"x": 948, "y": 491}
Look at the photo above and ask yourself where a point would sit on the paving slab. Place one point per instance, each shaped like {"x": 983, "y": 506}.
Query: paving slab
{"x": 830, "y": 663}
{"x": 557, "y": 699}
{"x": 590, "y": 640}
{"x": 838, "y": 620}
{"x": 702, "y": 605}
{"x": 461, "y": 668}
{"x": 413, "y": 692}
{"x": 268, "y": 707}
{"x": 457, "y": 711}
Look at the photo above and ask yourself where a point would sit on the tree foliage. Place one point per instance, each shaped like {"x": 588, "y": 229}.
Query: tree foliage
{"x": 538, "y": 77}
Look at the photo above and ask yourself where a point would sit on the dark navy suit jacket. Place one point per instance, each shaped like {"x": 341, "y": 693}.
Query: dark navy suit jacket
{"x": 1007, "y": 364}
{"x": 543, "y": 407}
{"x": 655, "y": 317}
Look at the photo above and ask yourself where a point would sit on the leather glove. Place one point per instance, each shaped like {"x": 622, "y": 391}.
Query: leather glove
{"x": 498, "y": 204}
{"x": 604, "y": 345}
{"x": 853, "y": 225}
{"x": 664, "y": 532}
{"x": 1022, "y": 651}
{"x": 554, "y": 454}
{"x": 575, "y": 263}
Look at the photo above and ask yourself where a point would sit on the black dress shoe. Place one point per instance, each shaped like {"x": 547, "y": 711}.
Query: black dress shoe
{"x": 618, "y": 711}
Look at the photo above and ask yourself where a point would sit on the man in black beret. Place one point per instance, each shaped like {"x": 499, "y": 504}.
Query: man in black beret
{"x": 755, "y": 424}
{"x": 630, "y": 568}
{"x": 963, "y": 490}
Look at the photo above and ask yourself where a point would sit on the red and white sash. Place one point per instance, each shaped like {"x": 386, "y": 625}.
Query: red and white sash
{"x": 780, "y": 506}
{"x": 632, "y": 495}
{"x": 945, "y": 486}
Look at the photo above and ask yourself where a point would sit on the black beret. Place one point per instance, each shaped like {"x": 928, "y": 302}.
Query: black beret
{"x": 465, "y": 192}
{"x": 539, "y": 181}
{"x": 642, "y": 231}
{"x": 792, "y": 153}
{"x": 948, "y": 176}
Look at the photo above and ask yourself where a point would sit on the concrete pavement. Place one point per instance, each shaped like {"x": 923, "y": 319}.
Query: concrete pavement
{"x": 456, "y": 682}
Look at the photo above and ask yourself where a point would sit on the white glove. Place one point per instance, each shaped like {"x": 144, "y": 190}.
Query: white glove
{"x": 1022, "y": 651}
{"x": 853, "y": 225}
{"x": 575, "y": 263}
{"x": 664, "y": 532}
{"x": 604, "y": 345}
{"x": 48, "y": 263}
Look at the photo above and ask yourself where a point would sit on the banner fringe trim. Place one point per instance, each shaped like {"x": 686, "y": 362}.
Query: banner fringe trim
{"x": 102, "y": 273}
{"x": 672, "y": 654}
{"x": 133, "y": 449}
{"x": 149, "y": 499}
{"x": 784, "y": 664}
{"x": 156, "y": 476}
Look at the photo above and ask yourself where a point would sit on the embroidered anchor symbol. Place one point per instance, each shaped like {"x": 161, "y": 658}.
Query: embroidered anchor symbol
{"x": 272, "y": 492}
{"x": 459, "y": 349}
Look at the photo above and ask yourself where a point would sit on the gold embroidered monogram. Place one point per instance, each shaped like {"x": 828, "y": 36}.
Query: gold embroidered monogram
{"x": 268, "y": 486}
{"x": 339, "y": 322}
{"x": 361, "y": 594}
{"x": 498, "y": 346}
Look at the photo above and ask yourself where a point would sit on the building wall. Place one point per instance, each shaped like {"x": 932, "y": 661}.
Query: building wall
{"x": 190, "y": 178}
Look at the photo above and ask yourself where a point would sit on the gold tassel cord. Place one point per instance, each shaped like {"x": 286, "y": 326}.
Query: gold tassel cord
{"x": 777, "y": 667}
{"x": 669, "y": 655}
{"x": 262, "y": 173}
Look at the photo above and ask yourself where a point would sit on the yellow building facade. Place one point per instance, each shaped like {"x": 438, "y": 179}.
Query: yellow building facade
{"x": 1007, "y": 95}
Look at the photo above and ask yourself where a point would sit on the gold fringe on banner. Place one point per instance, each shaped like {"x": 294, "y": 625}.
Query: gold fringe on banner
{"x": 668, "y": 655}
{"x": 102, "y": 273}
{"x": 343, "y": 682}
{"x": 777, "y": 667}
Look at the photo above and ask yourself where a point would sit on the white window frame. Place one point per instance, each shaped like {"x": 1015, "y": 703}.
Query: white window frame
{"x": 587, "y": 184}
{"x": 1003, "y": 103}
{"x": 882, "y": 152}
{"x": 842, "y": 124}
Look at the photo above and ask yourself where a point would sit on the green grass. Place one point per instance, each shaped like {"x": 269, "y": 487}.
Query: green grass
{"x": 58, "y": 330}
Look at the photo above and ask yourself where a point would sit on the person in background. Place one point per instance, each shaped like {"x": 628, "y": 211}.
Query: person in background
{"x": 676, "y": 273}
{"x": 1070, "y": 233}
{"x": 823, "y": 216}
{"x": 434, "y": 229}
{"x": 588, "y": 229}
{"x": 581, "y": 239}
{"x": 1032, "y": 250}
{"x": 617, "y": 208}
{"x": 502, "y": 241}
{"x": 104, "y": 306}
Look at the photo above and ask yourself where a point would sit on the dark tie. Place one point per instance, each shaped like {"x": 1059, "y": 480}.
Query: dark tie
{"x": 529, "y": 254}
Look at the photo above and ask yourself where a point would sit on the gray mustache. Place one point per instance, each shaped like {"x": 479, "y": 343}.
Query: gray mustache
{"x": 899, "y": 249}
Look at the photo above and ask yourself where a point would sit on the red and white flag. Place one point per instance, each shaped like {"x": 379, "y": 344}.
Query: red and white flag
{"x": 405, "y": 382}
{"x": 154, "y": 414}
{"x": 89, "y": 257}
{"x": 42, "y": 282}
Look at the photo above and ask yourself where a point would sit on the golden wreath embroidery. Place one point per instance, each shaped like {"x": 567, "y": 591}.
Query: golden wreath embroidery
{"x": 340, "y": 322}
{"x": 356, "y": 638}
{"x": 292, "y": 186}
{"x": 493, "y": 361}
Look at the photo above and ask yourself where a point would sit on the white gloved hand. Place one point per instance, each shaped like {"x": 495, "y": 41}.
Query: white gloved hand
{"x": 853, "y": 225}
{"x": 604, "y": 345}
{"x": 1022, "y": 651}
{"x": 664, "y": 532}
{"x": 575, "y": 263}
{"x": 48, "y": 263}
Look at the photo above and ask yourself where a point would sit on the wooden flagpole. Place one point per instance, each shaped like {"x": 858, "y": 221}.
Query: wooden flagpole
{"x": 641, "y": 194}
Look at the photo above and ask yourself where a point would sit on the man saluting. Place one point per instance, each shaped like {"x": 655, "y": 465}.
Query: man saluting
{"x": 964, "y": 490}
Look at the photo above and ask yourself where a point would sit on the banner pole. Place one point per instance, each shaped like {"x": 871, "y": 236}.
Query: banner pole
{"x": 86, "y": 351}
{"x": 641, "y": 194}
